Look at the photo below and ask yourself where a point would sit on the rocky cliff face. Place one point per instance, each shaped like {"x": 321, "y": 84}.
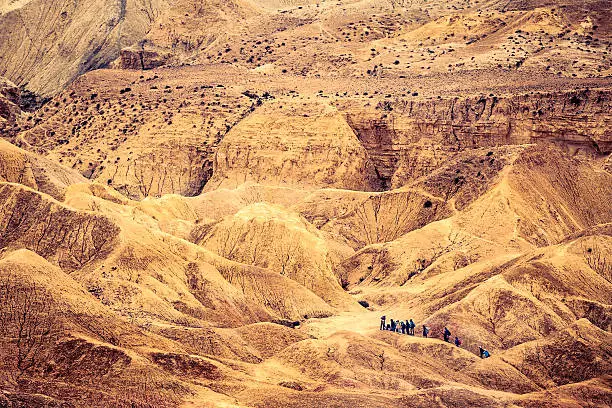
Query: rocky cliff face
{"x": 141, "y": 58}
{"x": 154, "y": 133}
{"x": 407, "y": 139}
{"x": 294, "y": 145}
{"x": 144, "y": 135}
{"x": 10, "y": 98}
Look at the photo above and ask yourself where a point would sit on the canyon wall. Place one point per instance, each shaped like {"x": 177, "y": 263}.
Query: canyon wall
{"x": 408, "y": 139}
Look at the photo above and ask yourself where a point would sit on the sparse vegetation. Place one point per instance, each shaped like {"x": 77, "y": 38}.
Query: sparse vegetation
{"x": 203, "y": 220}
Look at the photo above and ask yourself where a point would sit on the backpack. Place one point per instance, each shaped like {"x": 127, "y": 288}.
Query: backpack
{"x": 486, "y": 354}
{"x": 459, "y": 342}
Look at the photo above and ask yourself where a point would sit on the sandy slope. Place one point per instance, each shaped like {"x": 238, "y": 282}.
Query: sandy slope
{"x": 222, "y": 216}
{"x": 527, "y": 298}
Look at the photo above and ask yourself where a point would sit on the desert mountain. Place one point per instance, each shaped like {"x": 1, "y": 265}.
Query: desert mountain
{"x": 212, "y": 203}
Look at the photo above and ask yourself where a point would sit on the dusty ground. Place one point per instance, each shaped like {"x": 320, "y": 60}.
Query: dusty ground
{"x": 221, "y": 214}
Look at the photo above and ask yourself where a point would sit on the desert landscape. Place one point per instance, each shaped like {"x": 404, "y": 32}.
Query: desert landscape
{"x": 213, "y": 203}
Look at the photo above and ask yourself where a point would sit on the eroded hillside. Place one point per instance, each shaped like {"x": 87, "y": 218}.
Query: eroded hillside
{"x": 221, "y": 216}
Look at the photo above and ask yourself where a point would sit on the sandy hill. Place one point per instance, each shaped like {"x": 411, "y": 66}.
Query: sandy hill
{"x": 198, "y": 295}
{"x": 212, "y": 203}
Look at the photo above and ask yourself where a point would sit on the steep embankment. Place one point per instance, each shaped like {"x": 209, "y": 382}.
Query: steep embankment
{"x": 223, "y": 217}
{"x": 45, "y": 45}
{"x": 408, "y": 139}
{"x": 520, "y": 241}
{"x": 20, "y": 166}
{"x": 116, "y": 127}
{"x": 318, "y": 149}
{"x": 540, "y": 197}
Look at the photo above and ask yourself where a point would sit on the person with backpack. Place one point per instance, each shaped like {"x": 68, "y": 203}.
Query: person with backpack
{"x": 425, "y": 331}
{"x": 447, "y": 334}
{"x": 457, "y": 341}
{"x": 402, "y": 327}
{"x": 382, "y": 322}
{"x": 484, "y": 353}
{"x": 412, "y": 326}
{"x": 392, "y": 325}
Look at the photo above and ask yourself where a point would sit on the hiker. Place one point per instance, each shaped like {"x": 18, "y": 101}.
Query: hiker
{"x": 447, "y": 334}
{"x": 457, "y": 341}
{"x": 412, "y": 326}
{"x": 392, "y": 325}
{"x": 403, "y": 327}
{"x": 484, "y": 353}
{"x": 425, "y": 331}
{"x": 382, "y": 322}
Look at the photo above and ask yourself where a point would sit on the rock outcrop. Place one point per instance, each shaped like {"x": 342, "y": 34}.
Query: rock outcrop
{"x": 407, "y": 139}
{"x": 317, "y": 149}
{"x": 142, "y": 58}
{"x": 10, "y": 98}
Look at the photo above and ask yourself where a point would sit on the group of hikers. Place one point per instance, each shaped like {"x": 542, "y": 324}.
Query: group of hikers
{"x": 407, "y": 327}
